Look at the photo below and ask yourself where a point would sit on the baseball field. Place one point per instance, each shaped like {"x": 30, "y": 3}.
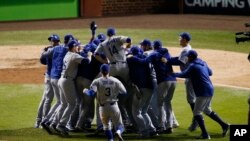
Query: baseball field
{"x": 21, "y": 74}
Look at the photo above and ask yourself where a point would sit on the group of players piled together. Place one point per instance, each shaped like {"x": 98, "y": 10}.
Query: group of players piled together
{"x": 145, "y": 71}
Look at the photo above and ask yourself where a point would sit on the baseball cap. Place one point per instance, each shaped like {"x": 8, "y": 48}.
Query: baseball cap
{"x": 185, "y": 35}
{"x": 51, "y": 36}
{"x": 55, "y": 37}
{"x": 146, "y": 42}
{"x": 101, "y": 37}
{"x": 110, "y": 31}
{"x": 193, "y": 54}
{"x": 135, "y": 50}
{"x": 157, "y": 44}
{"x": 73, "y": 43}
{"x": 104, "y": 68}
{"x": 68, "y": 37}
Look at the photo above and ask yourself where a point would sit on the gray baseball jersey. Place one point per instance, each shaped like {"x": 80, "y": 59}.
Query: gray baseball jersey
{"x": 107, "y": 89}
{"x": 70, "y": 64}
{"x": 113, "y": 48}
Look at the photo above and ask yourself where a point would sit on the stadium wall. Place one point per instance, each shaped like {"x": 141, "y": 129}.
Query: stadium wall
{"x": 16, "y": 10}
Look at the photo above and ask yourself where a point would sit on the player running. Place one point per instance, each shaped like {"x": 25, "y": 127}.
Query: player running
{"x": 106, "y": 89}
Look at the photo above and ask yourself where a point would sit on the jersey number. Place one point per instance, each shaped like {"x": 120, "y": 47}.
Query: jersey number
{"x": 108, "y": 92}
{"x": 113, "y": 50}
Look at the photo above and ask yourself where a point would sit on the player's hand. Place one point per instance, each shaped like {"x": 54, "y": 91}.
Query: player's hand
{"x": 164, "y": 60}
{"x": 93, "y": 27}
{"x": 85, "y": 90}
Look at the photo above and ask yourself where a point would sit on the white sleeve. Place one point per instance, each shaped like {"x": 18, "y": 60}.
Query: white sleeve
{"x": 77, "y": 58}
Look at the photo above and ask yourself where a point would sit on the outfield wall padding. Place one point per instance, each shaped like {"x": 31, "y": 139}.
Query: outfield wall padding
{"x": 16, "y": 10}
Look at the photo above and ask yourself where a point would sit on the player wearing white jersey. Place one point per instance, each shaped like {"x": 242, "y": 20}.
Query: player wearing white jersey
{"x": 115, "y": 52}
{"x": 106, "y": 89}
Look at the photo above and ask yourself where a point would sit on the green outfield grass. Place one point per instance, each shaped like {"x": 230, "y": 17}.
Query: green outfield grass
{"x": 19, "y": 103}
{"x": 218, "y": 40}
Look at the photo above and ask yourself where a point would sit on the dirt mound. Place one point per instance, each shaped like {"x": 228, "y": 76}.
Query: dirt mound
{"x": 20, "y": 64}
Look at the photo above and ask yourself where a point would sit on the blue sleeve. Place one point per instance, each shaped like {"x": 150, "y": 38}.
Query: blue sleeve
{"x": 90, "y": 93}
{"x": 175, "y": 61}
{"x": 185, "y": 74}
{"x": 137, "y": 60}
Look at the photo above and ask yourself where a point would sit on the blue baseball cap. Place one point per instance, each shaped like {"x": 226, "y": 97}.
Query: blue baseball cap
{"x": 135, "y": 50}
{"x": 73, "y": 43}
{"x": 111, "y": 31}
{"x": 157, "y": 44}
{"x": 146, "y": 42}
{"x": 185, "y": 35}
{"x": 104, "y": 68}
{"x": 193, "y": 54}
{"x": 68, "y": 37}
{"x": 55, "y": 37}
{"x": 101, "y": 37}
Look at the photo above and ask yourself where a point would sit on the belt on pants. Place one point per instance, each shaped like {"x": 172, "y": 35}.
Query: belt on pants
{"x": 112, "y": 103}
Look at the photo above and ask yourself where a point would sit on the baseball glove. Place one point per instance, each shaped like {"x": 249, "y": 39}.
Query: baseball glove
{"x": 93, "y": 27}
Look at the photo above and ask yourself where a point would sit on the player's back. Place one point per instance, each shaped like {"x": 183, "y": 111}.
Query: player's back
{"x": 108, "y": 89}
{"x": 113, "y": 48}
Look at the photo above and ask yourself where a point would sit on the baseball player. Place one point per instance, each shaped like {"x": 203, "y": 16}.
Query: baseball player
{"x": 140, "y": 75}
{"x": 166, "y": 86}
{"x": 67, "y": 84}
{"x": 48, "y": 94}
{"x": 153, "y": 110}
{"x": 181, "y": 60}
{"x": 199, "y": 73}
{"x": 86, "y": 74}
{"x": 57, "y": 54}
{"x": 113, "y": 49}
{"x": 106, "y": 89}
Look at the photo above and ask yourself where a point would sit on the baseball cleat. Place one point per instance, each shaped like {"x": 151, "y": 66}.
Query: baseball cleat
{"x": 169, "y": 131}
{"x": 119, "y": 136}
{"x": 176, "y": 125}
{"x": 204, "y": 137}
{"x": 46, "y": 128}
{"x": 37, "y": 124}
{"x": 225, "y": 130}
{"x": 62, "y": 130}
{"x": 193, "y": 126}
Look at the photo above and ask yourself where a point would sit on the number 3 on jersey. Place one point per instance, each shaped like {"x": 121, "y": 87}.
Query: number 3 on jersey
{"x": 113, "y": 50}
{"x": 108, "y": 92}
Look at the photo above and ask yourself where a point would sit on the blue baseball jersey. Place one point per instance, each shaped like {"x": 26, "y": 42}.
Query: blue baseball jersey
{"x": 162, "y": 70}
{"x": 199, "y": 73}
{"x": 57, "y": 61}
{"x": 140, "y": 72}
{"x": 91, "y": 70}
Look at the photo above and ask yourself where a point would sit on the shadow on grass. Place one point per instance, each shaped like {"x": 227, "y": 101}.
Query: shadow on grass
{"x": 31, "y": 134}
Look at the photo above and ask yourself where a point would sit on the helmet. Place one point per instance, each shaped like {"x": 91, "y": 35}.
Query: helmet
{"x": 111, "y": 31}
